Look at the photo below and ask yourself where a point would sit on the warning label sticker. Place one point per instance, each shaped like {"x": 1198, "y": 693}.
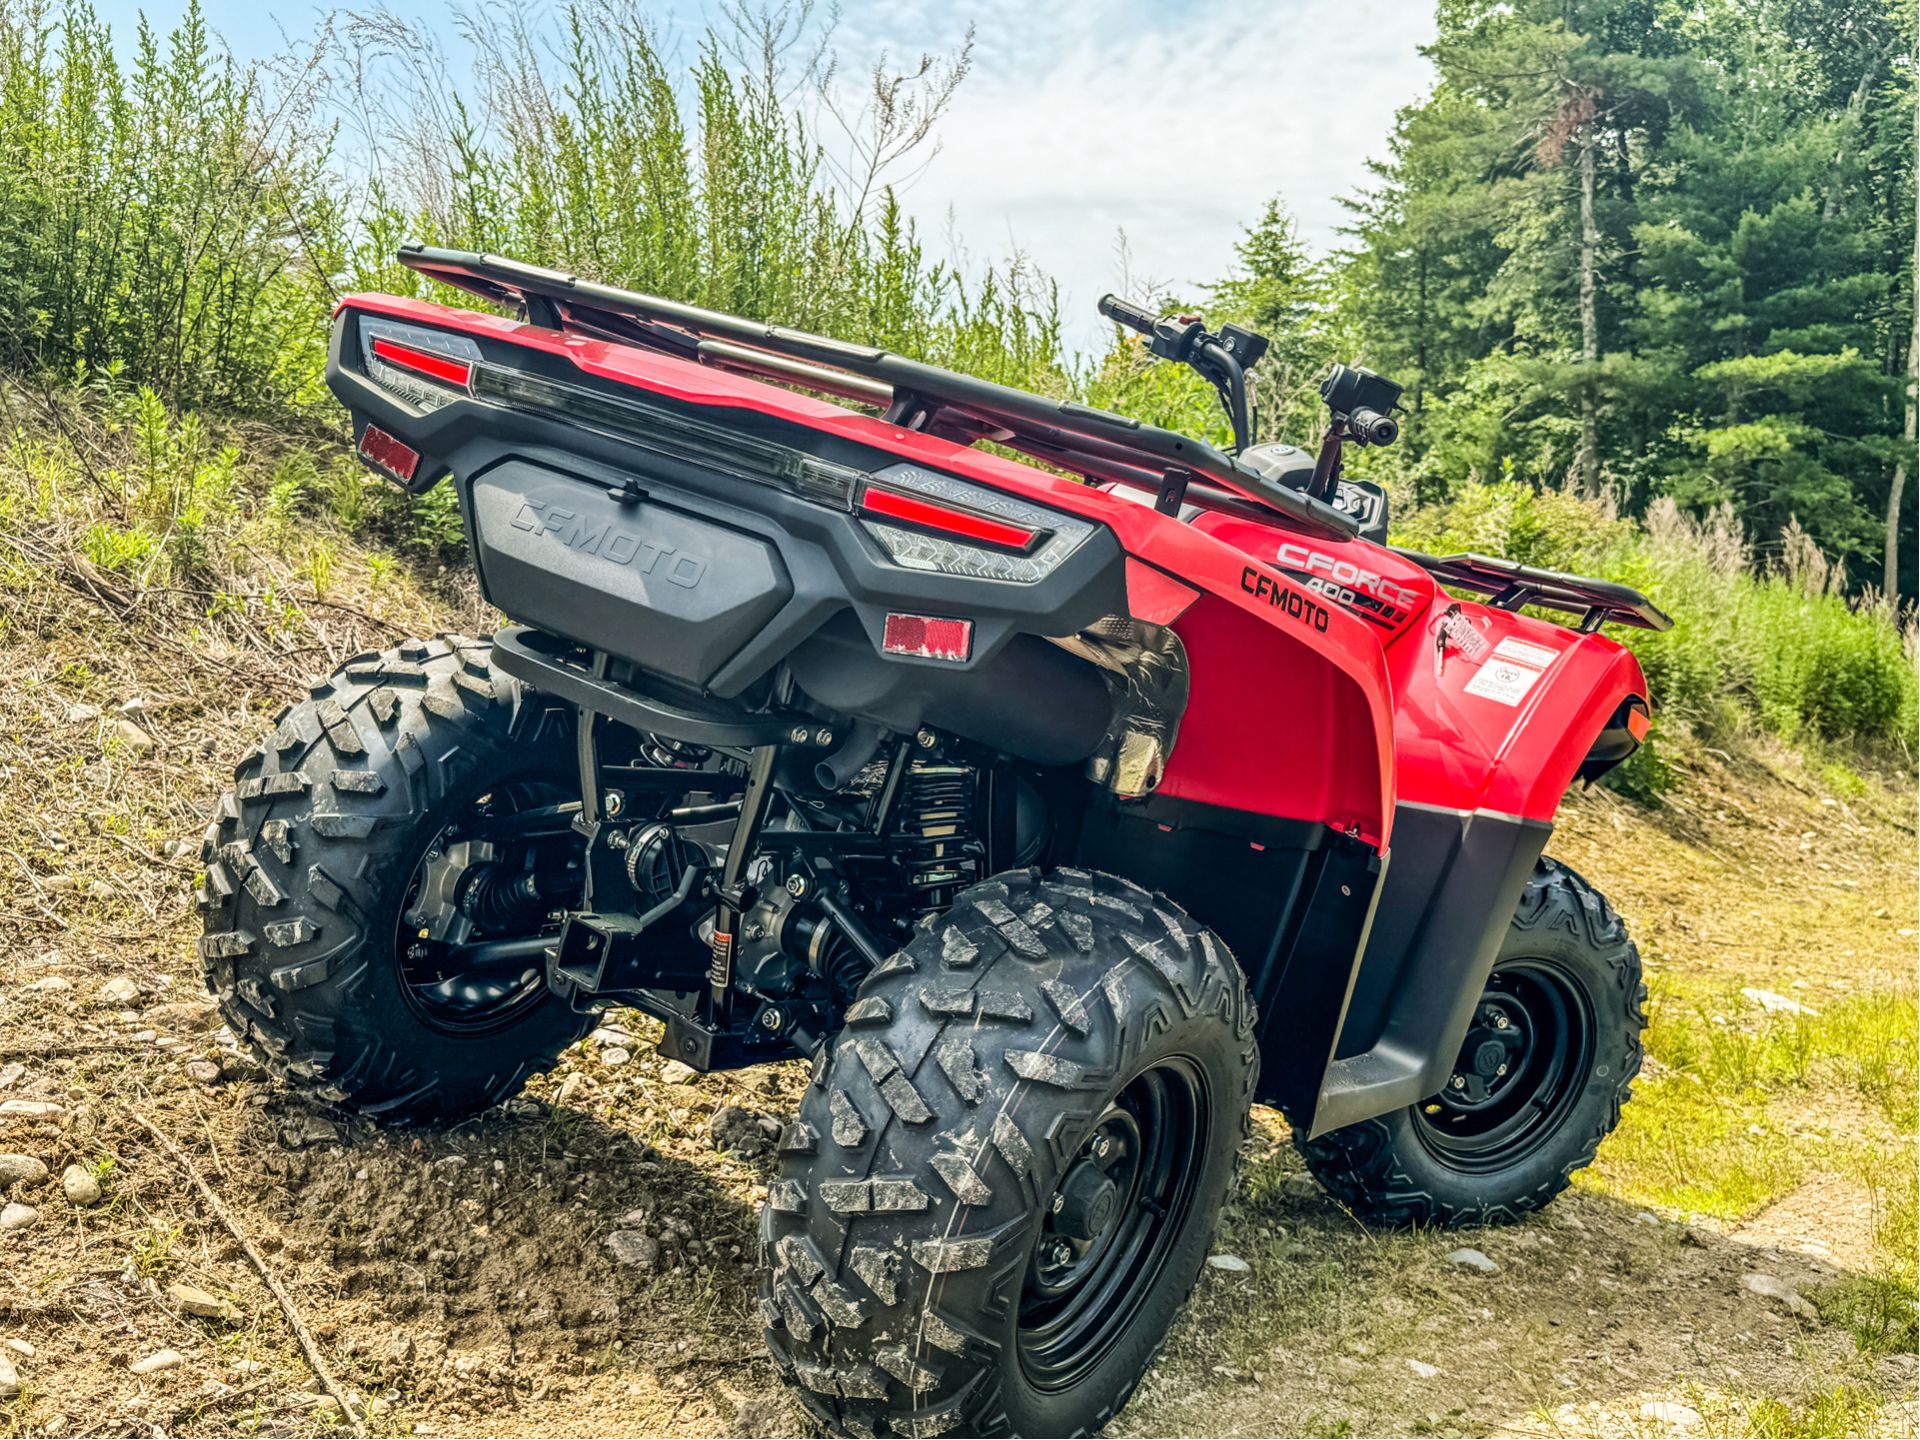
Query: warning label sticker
{"x": 1527, "y": 653}
{"x": 1504, "y": 681}
{"x": 1510, "y": 672}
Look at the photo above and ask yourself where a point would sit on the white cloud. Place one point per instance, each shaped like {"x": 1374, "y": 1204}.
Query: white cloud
{"x": 1174, "y": 122}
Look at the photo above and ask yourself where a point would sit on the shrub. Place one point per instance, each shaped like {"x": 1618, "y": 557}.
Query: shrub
{"x": 1784, "y": 650}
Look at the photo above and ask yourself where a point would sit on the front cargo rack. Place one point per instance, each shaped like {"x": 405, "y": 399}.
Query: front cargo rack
{"x": 1511, "y": 585}
{"x": 1090, "y": 442}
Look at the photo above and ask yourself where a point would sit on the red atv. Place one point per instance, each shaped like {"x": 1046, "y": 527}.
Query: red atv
{"x": 1050, "y": 818}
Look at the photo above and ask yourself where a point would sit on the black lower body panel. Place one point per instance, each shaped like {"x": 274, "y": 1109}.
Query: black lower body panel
{"x": 1444, "y": 909}
{"x": 1292, "y": 899}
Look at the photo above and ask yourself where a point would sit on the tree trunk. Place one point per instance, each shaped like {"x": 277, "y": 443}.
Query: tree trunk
{"x": 1890, "y": 577}
{"x": 1588, "y": 464}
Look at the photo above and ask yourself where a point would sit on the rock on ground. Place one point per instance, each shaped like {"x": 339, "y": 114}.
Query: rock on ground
{"x": 194, "y": 1301}
{"x": 1774, "y": 1001}
{"x": 1472, "y": 1260}
{"x": 308, "y": 1130}
{"x": 80, "y": 1186}
{"x": 1672, "y": 1413}
{"x": 633, "y": 1247}
{"x": 15, "y": 1216}
{"x": 21, "y": 1170}
{"x": 1772, "y": 1287}
{"x": 737, "y": 1130}
{"x": 33, "y": 1109}
{"x": 158, "y": 1361}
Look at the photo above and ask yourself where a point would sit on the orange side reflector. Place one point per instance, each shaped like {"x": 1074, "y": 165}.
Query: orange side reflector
{"x": 1639, "y": 722}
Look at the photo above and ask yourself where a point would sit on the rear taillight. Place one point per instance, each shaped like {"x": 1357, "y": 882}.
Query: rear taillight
{"x": 950, "y": 520}
{"x": 424, "y": 362}
{"x": 928, "y": 521}
{"x": 928, "y": 637}
{"x": 426, "y": 368}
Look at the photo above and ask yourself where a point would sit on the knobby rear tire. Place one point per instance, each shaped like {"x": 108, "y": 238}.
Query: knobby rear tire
{"x": 898, "y": 1239}
{"x": 309, "y": 859}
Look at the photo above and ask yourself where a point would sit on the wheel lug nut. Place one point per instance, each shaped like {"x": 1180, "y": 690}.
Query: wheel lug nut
{"x": 1059, "y": 1203}
{"x": 1501, "y": 1071}
{"x": 1500, "y": 1022}
{"x": 1459, "y": 1082}
{"x": 1102, "y": 1146}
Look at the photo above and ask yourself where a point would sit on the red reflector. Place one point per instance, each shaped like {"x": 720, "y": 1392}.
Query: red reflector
{"x": 928, "y": 637}
{"x": 423, "y": 362}
{"x": 399, "y": 461}
{"x": 931, "y": 515}
{"x": 1638, "y": 722}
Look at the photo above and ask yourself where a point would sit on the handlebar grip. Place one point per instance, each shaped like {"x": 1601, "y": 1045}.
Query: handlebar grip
{"x": 1125, "y": 312}
{"x": 1373, "y": 427}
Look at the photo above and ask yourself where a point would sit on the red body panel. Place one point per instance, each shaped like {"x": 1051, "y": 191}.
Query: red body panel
{"x": 1511, "y": 748}
{"x": 1306, "y": 701}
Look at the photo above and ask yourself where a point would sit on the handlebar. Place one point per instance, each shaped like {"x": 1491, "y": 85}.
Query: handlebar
{"x": 1125, "y": 312}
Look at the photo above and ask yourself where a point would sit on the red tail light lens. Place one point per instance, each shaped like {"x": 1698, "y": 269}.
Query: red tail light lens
{"x": 421, "y": 362}
{"x": 928, "y": 637}
{"x": 928, "y": 521}
{"x": 383, "y": 452}
{"x": 425, "y": 367}
{"x": 926, "y": 514}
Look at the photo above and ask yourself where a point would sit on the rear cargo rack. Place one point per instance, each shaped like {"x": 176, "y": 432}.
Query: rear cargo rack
{"x": 1093, "y": 443}
{"x": 1512, "y": 585}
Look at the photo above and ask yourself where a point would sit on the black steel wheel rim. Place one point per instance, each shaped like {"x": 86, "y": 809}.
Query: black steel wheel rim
{"x": 468, "y": 986}
{"x": 1112, "y": 1223}
{"x": 1526, "y": 1059}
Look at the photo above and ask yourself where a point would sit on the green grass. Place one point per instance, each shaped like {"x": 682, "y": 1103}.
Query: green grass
{"x": 1842, "y": 1410}
{"x": 1867, "y": 1044}
{"x": 1705, "y": 1132}
{"x": 1685, "y": 1146}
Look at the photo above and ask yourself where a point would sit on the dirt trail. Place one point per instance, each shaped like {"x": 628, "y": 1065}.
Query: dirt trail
{"x": 463, "y": 1283}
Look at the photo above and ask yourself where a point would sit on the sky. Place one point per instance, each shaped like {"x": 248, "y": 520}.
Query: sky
{"x": 1172, "y": 121}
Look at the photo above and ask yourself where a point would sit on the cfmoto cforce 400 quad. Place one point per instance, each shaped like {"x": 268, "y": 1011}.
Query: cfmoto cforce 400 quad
{"x": 1056, "y": 812}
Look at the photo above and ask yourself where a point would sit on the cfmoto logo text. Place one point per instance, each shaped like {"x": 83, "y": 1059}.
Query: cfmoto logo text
{"x": 609, "y": 542}
{"x": 1283, "y": 598}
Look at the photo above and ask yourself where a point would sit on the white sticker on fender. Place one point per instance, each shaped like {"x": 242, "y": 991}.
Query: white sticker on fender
{"x": 1538, "y": 656}
{"x": 1510, "y": 672}
{"x": 1504, "y": 681}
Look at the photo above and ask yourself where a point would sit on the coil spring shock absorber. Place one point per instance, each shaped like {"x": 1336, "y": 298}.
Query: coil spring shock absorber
{"x": 937, "y": 833}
